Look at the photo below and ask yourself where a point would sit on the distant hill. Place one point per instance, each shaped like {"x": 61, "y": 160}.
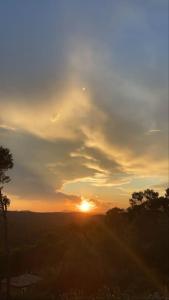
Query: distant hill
{"x": 26, "y": 227}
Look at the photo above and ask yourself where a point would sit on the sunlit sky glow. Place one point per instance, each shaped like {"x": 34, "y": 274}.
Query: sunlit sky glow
{"x": 86, "y": 205}
{"x": 84, "y": 100}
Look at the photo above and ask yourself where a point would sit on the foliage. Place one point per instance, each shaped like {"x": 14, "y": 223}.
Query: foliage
{"x": 149, "y": 200}
{"x": 6, "y": 162}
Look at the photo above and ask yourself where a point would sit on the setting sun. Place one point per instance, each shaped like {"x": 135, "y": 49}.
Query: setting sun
{"x": 85, "y": 205}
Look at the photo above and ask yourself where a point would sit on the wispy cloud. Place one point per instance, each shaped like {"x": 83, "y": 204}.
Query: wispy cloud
{"x": 153, "y": 131}
{"x": 86, "y": 108}
{"x": 4, "y": 126}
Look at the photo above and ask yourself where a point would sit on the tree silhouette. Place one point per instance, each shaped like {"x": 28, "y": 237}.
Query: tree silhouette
{"x": 137, "y": 199}
{"x": 149, "y": 200}
{"x": 167, "y": 193}
{"x": 6, "y": 162}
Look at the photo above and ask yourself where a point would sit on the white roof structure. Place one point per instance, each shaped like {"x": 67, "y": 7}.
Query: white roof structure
{"x": 24, "y": 280}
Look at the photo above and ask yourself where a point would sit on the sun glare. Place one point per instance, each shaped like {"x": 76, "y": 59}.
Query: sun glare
{"x": 86, "y": 205}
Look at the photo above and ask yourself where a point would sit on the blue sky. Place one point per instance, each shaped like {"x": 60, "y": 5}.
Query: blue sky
{"x": 84, "y": 100}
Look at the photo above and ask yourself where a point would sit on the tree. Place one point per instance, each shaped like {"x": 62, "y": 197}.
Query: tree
{"x": 137, "y": 199}
{"x": 149, "y": 200}
{"x": 116, "y": 219}
{"x": 164, "y": 201}
{"x": 114, "y": 214}
{"x": 6, "y": 163}
{"x": 167, "y": 194}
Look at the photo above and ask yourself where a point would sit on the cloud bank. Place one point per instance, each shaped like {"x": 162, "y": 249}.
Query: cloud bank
{"x": 84, "y": 105}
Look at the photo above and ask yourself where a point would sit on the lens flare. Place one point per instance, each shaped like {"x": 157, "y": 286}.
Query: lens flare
{"x": 86, "y": 205}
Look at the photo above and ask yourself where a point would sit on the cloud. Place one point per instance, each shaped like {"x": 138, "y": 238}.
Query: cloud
{"x": 6, "y": 127}
{"x": 153, "y": 131}
{"x": 86, "y": 109}
{"x": 161, "y": 187}
{"x": 51, "y": 119}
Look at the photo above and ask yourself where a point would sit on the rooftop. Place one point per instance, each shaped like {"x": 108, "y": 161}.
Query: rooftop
{"x": 24, "y": 280}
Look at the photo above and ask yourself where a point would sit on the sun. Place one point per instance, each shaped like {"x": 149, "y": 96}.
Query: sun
{"x": 86, "y": 205}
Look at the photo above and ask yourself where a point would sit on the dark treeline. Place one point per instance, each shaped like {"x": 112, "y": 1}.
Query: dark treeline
{"x": 125, "y": 249}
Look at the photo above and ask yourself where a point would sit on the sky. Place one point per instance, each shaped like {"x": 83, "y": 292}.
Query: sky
{"x": 84, "y": 100}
